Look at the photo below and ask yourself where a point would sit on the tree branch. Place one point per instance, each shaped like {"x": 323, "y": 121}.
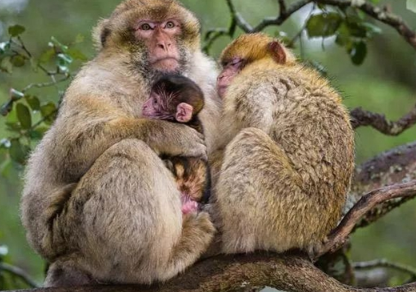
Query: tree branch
{"x": 381, "y": 15}
{"x": 385, "y": 264}
{"x": 19, "y": 273}
{"x": 340, "y": 234}
{"x": 379, "y": 122}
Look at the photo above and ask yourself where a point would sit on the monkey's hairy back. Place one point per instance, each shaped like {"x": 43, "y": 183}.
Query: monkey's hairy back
{"x": 299, "y": 110}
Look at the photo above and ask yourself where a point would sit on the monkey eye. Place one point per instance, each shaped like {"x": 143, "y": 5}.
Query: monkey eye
{"x": 154, "y": 101}
{"x": 145, "y": 26}
{"x": 170, "y": 24}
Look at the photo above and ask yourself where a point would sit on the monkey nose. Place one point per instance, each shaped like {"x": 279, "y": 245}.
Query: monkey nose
{"x": 164, "y": 45}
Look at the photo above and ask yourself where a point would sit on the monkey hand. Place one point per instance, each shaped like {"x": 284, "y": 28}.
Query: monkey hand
{"x": 175, "y": 139}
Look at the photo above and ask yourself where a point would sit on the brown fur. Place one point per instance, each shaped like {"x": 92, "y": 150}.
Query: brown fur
{"x": 122, "y": 220}
{"x": 289, "y": 153}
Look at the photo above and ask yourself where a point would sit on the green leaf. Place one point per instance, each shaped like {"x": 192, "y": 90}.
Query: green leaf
{"x": 323, "y": 25}
{"x": 13, "y": 127}
{"x": 358, "y": 53}
{"x": 19, "y": 152}
{"x": 47, "y": 56}
{"x": 48, "y": 112}
{"x": 24, "y": 116}
{"x": 33, "y": 102}
{"x": 38, "y": 133}
{"x": 18, "y": 61}
{"x": 372, "y": 29}
{"x": 16, "y": 30}
{"x": 76, "y": 54}
{"x": 6, "y": 65}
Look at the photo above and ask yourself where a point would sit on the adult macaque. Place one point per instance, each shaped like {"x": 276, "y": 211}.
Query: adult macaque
{"x": 289, "y": 152}
{"x": 178, "y": 99}
{"x": 98, "y": 203}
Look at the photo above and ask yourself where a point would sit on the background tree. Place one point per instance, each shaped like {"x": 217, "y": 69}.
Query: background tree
{"x": 364, "y": 46}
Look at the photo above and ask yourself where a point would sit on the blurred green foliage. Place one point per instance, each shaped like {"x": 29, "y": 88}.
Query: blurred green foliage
{"x": 43, "y": 44}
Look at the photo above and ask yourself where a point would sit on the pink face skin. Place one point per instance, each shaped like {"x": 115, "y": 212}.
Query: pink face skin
{"x": 229, "y": 71}
{"x": 157, "y": 107}
{"x": 151, "y": 108}
{"x": 160, "y": 39}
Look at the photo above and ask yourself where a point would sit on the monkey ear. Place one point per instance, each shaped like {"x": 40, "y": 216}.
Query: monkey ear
{"x": 100, "y": 33}
{"x": 278, "y": 52}
{"x": 184, "y": 112}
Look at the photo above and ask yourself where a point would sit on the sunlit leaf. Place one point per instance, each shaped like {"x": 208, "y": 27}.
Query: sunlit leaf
{"x": 47, "y": 56}
{"x": 56, "y": 43}
{"x": 33, "y": 102}
{"x": 16, "y": 30}
{"x": 358, "y": 53}
{"x": 5, "y": 143}
{"x": 16, "y": 94}
{"x": 64, "y": 59}
{"x": 24, "y": 116}
{"x": 76, "y": 54}
{"x": 19, "y": 152}
{"x": 4, "y": 46}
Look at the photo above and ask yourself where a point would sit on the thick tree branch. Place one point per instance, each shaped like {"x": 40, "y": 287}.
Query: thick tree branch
{"x": 340, "y": 234}
{"x": 291, "y": 272}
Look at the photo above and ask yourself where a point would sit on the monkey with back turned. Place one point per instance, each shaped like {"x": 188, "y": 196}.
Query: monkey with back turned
{"x": 287, "y": 150}
{"x": 178, "y": 99}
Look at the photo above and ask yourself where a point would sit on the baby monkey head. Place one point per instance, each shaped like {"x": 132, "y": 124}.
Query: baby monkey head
{"x": 174, "y": 97}
{"x": 249, "y": 49}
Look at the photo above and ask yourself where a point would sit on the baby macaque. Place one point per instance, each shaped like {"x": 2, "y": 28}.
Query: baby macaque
{"x": 178, "y": 99}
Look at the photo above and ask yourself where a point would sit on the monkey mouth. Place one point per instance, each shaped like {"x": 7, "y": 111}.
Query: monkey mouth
{"x": 167, "y": 64}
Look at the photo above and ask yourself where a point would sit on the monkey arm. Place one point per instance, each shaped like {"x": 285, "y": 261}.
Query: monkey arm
{"x": 81, "y": 135}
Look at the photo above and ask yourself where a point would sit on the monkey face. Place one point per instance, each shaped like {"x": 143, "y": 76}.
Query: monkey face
{"x": 160, "y": 39}
{"x": 159, "y": 35}
{"x": 229, "y": 71}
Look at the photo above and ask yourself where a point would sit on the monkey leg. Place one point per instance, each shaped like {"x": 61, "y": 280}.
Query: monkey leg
{"x": 259, "y": 198}
{"x": 123, "y": 222}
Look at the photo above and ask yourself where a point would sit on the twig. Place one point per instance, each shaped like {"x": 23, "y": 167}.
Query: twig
{"x": 46, "y": 84}
{"x": 387, "y": 264}
{"x": 282, "y": 6}
{"x": 340, "y": 234}
{"x": 18, "y": 272}
{"x": 379, "y": 122}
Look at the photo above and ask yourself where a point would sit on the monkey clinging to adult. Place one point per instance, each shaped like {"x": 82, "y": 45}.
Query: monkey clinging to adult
{"x": 98, "y": 203}
{"x": 178, "y": 99}
{"x": 289, "y": 150}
